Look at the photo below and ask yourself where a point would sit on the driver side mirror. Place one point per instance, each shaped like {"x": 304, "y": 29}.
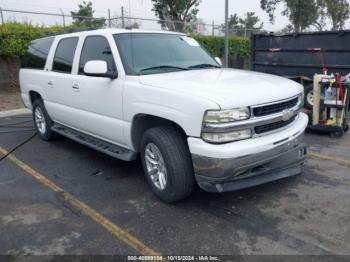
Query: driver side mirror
{"x": 98, "y": 68}
{"x": 217, "y": 59}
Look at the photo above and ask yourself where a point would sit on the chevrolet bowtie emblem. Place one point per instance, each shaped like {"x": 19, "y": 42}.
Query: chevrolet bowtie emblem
{"x": 287, "y": 114}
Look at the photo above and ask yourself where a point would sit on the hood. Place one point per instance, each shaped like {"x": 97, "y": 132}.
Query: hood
{"x": 227, "y": 87}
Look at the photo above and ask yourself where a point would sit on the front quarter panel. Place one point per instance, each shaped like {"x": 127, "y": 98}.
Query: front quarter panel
{"x": 185, "y": 110}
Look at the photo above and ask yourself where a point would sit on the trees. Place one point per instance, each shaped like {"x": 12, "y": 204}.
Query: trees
{"x": 306, "y": 13}
{"x": 301, "y": 13}
{"x": 84, "y": 16}
{"x": 338, "y": 11}
{"x": 244, "y": 26}
{"x": 196, "y": 26}
{"x": 128, "y": 22}
{"x": 251, "y": 23}
{"x": 233, "y": 24}
{"x": 175, "y": 14}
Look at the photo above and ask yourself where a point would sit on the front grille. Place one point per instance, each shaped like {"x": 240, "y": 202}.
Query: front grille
{"x": 275, "y": 108}
{"x": 273, "y": 126}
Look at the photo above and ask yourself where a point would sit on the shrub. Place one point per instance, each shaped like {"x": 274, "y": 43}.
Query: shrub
{"x": 238, "y": 46}
{"x": 15, "y": 37}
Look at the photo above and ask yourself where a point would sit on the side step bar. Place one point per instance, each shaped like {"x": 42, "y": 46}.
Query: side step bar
{"x": 95, "y": 143}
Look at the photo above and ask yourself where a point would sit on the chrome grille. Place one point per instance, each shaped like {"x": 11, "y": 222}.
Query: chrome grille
{"x": 265, "y": 119}
{"x": 273, "y": 126}
{"x": 275, "y": 108}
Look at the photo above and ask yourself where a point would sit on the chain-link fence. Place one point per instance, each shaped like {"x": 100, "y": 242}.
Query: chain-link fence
{"x": 118, "y": 21}
{"x": 9, "y": 67}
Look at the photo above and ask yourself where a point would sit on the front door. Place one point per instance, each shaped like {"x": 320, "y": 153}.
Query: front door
{"x": 98, "y": 100}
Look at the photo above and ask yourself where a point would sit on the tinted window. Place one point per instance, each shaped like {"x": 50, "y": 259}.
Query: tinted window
{"x": 151, "y": 53}
{"x": 64, "y": 55}
{"x": 96, "y": 48}
{"x": 36, "y": 54}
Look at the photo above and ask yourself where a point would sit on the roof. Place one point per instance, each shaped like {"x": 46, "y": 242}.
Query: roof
{"x": 116, "y": 31}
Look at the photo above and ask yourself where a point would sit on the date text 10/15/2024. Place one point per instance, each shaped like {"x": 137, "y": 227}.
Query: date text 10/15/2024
{"x": 173, "y": 258}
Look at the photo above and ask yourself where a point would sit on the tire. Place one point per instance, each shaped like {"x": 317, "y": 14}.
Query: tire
{"x": 337, "y": 134}
{"x": 308, "y": 102}
{"x": 177, "y": 164}
{"x": 346, "y": 128}
{"x": 42, "y": 121}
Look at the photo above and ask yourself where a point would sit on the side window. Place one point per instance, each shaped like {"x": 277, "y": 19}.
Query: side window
{"x": 64, "y": 55}
{"x": 36, "y": 54}
{"x": 96, "y": 48}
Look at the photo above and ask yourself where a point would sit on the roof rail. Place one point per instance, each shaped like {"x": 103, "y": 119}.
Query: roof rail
{"x": 70, "y": 31}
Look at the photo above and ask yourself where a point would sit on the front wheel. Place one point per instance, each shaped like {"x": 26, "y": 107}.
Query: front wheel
{"x": 167, "y": 164}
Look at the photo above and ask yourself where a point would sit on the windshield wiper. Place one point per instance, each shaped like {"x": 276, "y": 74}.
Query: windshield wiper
{"x": 204, "y": 66}
{"x": 163, "y": 67}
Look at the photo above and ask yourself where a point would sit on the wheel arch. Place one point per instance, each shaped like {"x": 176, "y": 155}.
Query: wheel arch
{"x": 143, "y": 122}
{"x": 34, "y": 95}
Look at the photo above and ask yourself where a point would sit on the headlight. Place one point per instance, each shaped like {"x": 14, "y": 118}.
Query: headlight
{"x": 220, "y": 138}
{"x": 226, "y": 116}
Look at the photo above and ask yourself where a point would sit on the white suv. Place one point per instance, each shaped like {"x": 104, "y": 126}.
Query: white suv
{"x": 126, "y": 92}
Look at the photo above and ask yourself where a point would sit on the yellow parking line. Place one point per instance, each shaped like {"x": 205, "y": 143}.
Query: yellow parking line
{"x": 82, "y": 207}
{"x": 335, "y": 159}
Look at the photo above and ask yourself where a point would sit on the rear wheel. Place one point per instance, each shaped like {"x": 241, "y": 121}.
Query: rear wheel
{"x": 43, "y": 122}
{"x": 167, "y": 164}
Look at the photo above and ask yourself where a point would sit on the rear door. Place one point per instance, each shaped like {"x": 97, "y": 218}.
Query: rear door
{"x": 59, "y": 100}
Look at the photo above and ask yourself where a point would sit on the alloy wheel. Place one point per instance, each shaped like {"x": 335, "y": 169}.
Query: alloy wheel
{"x": 156, "y": 168}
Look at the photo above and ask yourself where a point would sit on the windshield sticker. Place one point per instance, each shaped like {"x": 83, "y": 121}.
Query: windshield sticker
{"x": 190, "y": 41}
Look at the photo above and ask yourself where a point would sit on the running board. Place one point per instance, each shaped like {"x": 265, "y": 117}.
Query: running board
{"x": 95, "y": 143}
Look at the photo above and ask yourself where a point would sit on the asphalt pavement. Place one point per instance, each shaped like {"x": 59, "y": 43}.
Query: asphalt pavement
{"x": 102, "y": 206}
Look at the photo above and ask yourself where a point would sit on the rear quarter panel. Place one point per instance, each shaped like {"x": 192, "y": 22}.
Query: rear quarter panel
{"x": 32, "y": 80}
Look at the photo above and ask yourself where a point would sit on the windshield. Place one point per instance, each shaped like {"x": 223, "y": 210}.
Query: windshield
{"x": 152, "y": 53}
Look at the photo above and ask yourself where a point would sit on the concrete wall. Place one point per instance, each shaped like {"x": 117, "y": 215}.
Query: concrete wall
{"x": 9, "y": 68}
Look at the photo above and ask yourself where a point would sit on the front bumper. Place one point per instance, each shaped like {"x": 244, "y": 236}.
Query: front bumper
{"x": 284, "y": 156}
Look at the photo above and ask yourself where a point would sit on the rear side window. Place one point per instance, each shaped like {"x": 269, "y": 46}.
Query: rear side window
{"x": 37, "y": 52}
{"x": 96, "y": 48}
{"x": 64, "y": 55}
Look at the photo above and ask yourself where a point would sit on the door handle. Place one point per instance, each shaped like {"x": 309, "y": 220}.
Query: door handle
{"x": 50, "y": 84}
{"x": 75, "y": 87}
